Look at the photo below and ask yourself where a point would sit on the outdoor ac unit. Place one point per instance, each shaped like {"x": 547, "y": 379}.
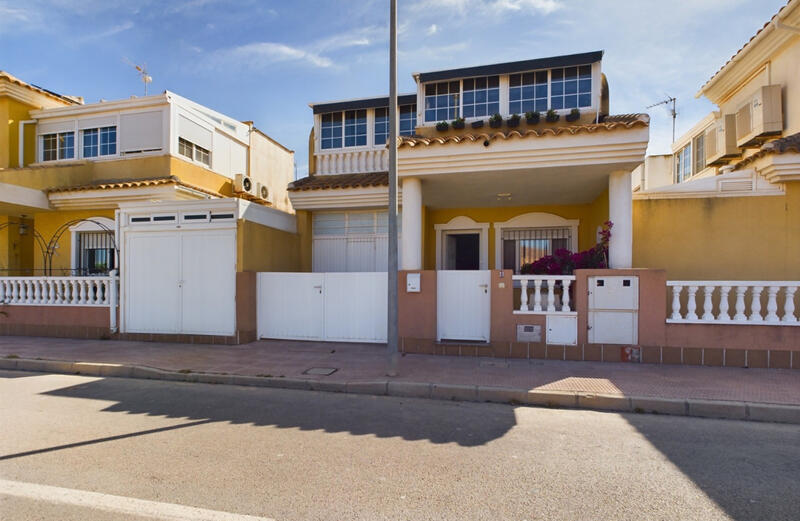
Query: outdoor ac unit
{"x": 720, "y": 141}
{"x": 760, "y": 117}
{"x": 242, "y": 184}
{"x": 262, "y": 193}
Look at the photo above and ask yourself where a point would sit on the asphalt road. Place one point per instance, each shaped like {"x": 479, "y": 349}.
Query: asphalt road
{"x": 83, "y": 448}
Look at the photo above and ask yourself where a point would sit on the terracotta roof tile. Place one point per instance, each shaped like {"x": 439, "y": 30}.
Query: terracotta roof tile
{"x": 326, "y": 182}
{"x": 131, "y": 183}
{"x": 779, "y": 146}
{"x": 75, "y": 100}
{"x": 622, "y": 121}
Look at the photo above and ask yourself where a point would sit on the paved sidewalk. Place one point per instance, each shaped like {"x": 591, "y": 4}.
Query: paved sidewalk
{"x": 367, "y": 362}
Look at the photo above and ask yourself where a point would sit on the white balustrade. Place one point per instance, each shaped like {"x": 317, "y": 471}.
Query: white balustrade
{"x": 355, "y": 162}
{"x": 57, "y": 291}
{"x": 780, "y": 302}
{"x": 555, "y": 301}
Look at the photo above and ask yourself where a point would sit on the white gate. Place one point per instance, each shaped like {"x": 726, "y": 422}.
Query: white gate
{"x": 180, "y": 282}
{"x": 345, "y": 307}
{"x": 463, "y": 305}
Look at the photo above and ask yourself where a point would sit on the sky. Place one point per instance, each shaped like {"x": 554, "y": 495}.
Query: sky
{"x": 265, "y": 61}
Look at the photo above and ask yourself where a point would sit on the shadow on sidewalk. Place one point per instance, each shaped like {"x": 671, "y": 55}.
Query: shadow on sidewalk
{"x": 382, "y": 416}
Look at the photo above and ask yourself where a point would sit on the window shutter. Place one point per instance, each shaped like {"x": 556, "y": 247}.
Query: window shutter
{"x": 141, "y": 131}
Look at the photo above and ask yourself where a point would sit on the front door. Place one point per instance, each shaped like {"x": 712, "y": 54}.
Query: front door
{"x": 463, "y": 305}
{"x": 462, "y": 251}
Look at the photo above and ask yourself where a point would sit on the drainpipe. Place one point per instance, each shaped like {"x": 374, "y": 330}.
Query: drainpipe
{"x": 21, "y": 158}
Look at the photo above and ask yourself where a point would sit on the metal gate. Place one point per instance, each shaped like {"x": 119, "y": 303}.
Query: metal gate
{"x": 345, "y": 307}
{"x": 463, "y": 305}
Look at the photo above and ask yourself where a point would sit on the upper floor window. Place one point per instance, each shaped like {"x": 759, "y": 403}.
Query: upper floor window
{"x": 58, "y": 146}
{"x": 571, "y": 87}
{"x": 381, "y": 126}
{"x": 355, "y": 128}
{"x": 699, "y": 153}
{"x": 527, "y": 92}
{"x": 683, "y": 163}
{"x": 332, "y": 130}
{"x": 192, "y": 151}
{"x": 481, "y": 97}
{"x": 441, "y": 101}
{"x": 99, "y": 142}
{"x": 408, "y": 119}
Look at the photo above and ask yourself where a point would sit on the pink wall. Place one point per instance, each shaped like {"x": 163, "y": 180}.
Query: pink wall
{"x": 56, "y": 321}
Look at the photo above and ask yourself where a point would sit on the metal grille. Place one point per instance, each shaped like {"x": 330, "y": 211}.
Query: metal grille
{"x": 526, "y": 246}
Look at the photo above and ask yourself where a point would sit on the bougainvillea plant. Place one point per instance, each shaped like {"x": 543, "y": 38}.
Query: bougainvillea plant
{"x": 564, "y": 262}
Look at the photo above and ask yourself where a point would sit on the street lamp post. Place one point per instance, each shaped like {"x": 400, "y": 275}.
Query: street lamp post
{"x": 392, "y": 333}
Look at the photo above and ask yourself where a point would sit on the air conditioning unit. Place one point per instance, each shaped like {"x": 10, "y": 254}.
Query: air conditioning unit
{"x": 262, "y": 193}
{"x": 242, "y": 184}
{"x": 720, "y": 141}
{"x": 760, "y": 117}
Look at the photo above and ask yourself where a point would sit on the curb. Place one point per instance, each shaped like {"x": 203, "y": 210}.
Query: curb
{"x": 729, "y": 410}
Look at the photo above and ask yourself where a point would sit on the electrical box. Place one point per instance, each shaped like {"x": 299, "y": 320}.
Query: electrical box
{"x": 412, "y": 282}
{"x": 614, "y": 310}
{"x": 562, "y": 330}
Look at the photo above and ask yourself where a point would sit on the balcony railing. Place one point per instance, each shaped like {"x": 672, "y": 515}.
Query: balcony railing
{"x": 734, "y": 302}
{"x": 59, "y": 291}
{"x": 347, "y": 162}
{"x": 550, "y": 294}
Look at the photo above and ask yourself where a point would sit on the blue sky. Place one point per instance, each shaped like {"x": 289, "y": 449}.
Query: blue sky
{"x": 265, "y": 60}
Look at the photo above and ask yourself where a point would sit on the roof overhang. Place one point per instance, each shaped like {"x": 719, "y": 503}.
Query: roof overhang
{"x": 337, "y": 198}
{"x": 20, "y": 200}
{"x": 360, "y": 103}
{"x": 111, "y": 198}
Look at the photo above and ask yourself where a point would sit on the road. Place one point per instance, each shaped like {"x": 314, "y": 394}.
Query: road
{"x": 81, "y": 448}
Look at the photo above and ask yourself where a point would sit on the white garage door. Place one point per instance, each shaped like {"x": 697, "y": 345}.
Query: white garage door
{"x": 181, "y": 282}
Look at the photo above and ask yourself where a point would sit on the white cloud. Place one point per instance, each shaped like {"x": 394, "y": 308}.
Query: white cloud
{"x": 432, "y": 30}
{"x": 111, "y": 31}
{"x": 261, "y": 54}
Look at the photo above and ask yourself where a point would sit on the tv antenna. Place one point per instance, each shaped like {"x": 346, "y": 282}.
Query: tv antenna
{"x": 142, "y": 70}
{"x": 670, "y": 99}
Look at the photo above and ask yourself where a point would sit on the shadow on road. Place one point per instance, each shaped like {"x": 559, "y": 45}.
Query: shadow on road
{"x": 384, "y": 417}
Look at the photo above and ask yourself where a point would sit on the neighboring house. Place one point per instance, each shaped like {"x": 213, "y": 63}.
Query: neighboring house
{"x": 68, "y": 166}
{"x": 483, "y": 196}
{"x": 727, "y": 202}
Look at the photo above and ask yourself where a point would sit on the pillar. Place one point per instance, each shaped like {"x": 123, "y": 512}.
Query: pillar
{"x": 620, "y": 212}
{"x": 411, "y": 236}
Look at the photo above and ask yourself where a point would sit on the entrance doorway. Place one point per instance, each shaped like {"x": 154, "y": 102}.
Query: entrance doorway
{"x": 462, "y": 251}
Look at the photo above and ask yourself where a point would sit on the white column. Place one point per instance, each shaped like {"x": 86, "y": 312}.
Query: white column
{"x": 620, "y": 212}
{"x": 411, "y": 236}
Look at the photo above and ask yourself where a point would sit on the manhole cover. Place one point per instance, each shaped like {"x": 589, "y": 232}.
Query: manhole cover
{"x": 323, "y": 371}
{"x": 494, "y": 363}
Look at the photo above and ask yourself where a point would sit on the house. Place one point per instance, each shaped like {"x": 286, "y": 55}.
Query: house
{"x": 726, "y": 203}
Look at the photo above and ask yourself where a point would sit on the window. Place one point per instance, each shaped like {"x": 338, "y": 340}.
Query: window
{"x": 188, "y": 149}
{"x": 441, "y": 101}
{"x": 523, "y": 246}
{"x": 58, "y": 146}
{"x": 96, "y": 253}
{"x": 699, "y": 153}
{"x": 683, "y": 163}
{"x": 481, "y": 97}
{"x": 355, "y": 128}
{"x": 102, "y": 141}
{"x": 350, "y": 241}
{"x": 381, "y": 126}
{"x": 571, "y": 87}
{"x": 527, "y": 92}
{"x": 408, "y": 119}
{"x": 332, "y": 130}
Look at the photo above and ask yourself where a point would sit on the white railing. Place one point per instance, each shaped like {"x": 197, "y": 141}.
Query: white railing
{"x": 546, "y": 299}
{"x": 56, "y": 291}
{"x": 361, "y": 161}
{"x": 746, "y": 296}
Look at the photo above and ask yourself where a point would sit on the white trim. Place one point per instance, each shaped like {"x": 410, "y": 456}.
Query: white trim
{"x": 21, "y": 158}
{"x": 111, "y": 198}
{"x": 532, "y": 220}
{"x": 335, "y": 198}
{"x": 719, "y": 186}
{"x": 22, "y": 196}
{"x": 87, "y": 226}
{"x": 463, "y": 224}
{"x": 265, "y": 216}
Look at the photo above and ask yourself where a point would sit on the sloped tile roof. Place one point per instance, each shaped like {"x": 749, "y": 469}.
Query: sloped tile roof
{"x": 617, "y": 122}
{"x": 13, "y": 79}
{"x": 779, "y": 146}
{"x": 131, "y": 183}
{"x": 326, "y": 182}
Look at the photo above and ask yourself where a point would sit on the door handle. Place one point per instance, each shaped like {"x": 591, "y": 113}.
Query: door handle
{"x": 319, "y": 288}
{"x": 485, "y": 287}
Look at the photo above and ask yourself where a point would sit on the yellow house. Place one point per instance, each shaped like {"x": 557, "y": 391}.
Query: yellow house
{"x": 66, "y": 167}
{"x": 499, "y": 165}
{"x": 726, "y": 204}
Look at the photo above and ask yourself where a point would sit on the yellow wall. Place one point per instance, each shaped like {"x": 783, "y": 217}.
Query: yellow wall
{"x": 724, "y": 238}
{"x": 260, "y": 248}
{"x": 273, "y": 165}
{"x": 305, "y": 232}
{"x": 16, "y": 250}
{"x": 590, "y": 216}
{"x": 47, "y": 224}
{"x": 11, "y": 113}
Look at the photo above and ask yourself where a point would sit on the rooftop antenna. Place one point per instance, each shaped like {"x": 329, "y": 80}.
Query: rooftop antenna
{"x": 670, "y": 99}
{"x": 142, "y": 69}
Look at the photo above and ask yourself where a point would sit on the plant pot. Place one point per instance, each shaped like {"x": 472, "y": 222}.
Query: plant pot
{"x": 512, "y": 123}
{"x": 442, "y": 127}
{"x": 477, "y": 124}
{"x": 458, "y": 125}
{"x": 552, "y": 119}
{"x": 495, "y": 124}
{"x": 572, "y": 117}
{"x": 532, "y": 121}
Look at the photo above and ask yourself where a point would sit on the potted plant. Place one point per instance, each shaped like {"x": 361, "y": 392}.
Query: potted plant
{"x": 457, "y": 123}
{"x": 477, "y": 124}
{"x": 496, "y": 121}
{"x": 532, "y": 118}
{"x": 442, "y": 126}
{"x": 513, "y": 121}
{"x": 551, "y": 116}
{"x": 574, "y": 115}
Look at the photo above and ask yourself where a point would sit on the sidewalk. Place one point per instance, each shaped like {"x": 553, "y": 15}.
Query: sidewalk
{"x": 365, "y": 364}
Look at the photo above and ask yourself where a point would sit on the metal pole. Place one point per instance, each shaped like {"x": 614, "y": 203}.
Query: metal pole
{"x": 391, "y": 333}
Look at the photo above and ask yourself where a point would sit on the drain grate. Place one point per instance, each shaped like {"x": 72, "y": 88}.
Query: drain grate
{"x": 321, "y": 371}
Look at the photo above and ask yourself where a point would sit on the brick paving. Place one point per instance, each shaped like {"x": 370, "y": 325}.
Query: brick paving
{"x": 363, "y": 362}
